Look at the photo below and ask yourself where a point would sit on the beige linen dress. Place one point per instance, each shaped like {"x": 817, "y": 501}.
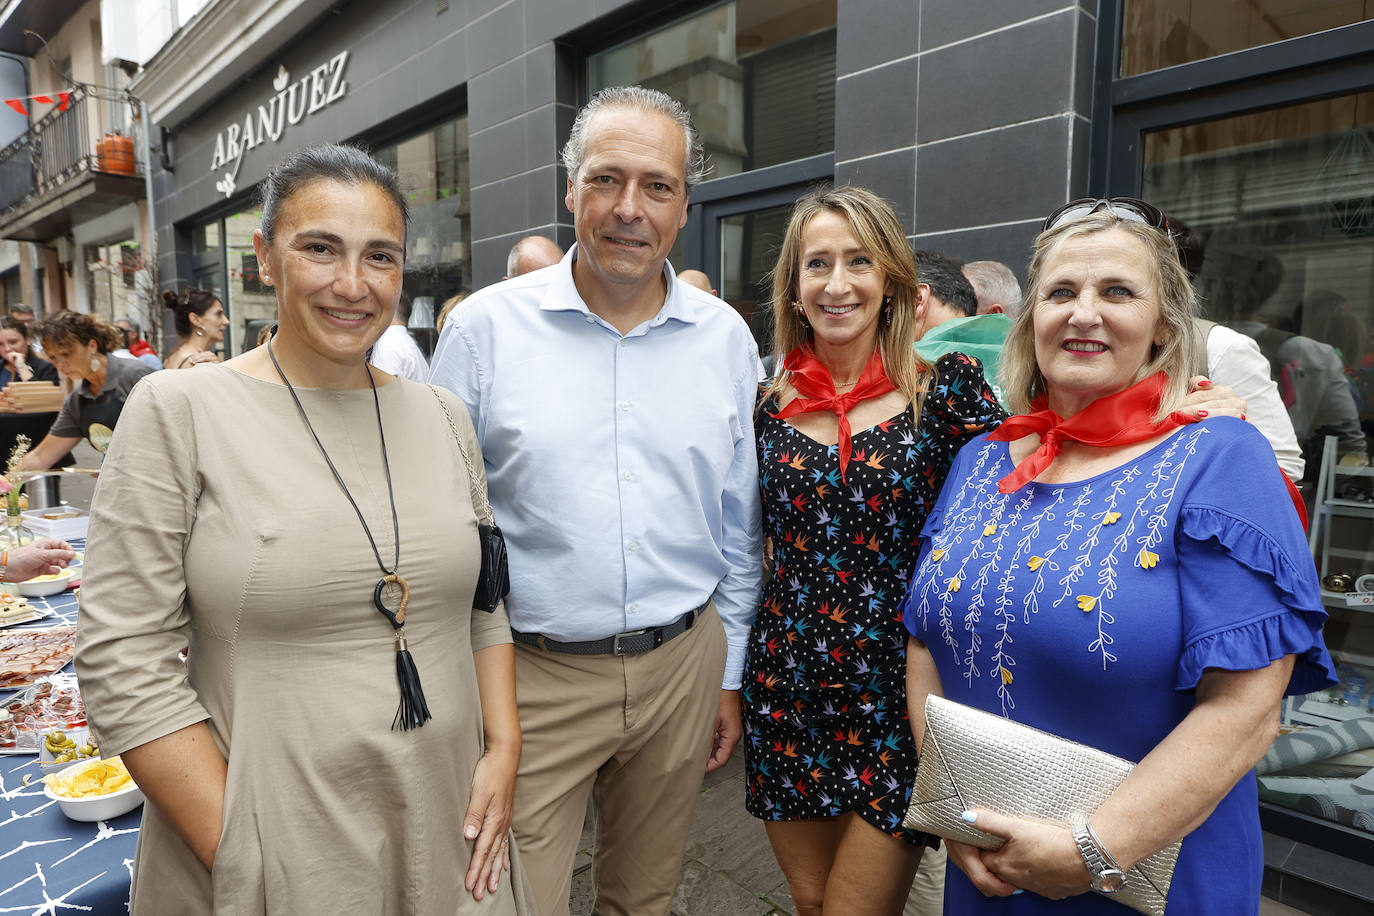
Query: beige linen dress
{"x": 217, "y": 524}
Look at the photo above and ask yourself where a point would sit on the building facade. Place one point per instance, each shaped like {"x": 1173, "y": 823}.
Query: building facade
{"x": 73, "y": 182}
{"x": 1250, "y": 122}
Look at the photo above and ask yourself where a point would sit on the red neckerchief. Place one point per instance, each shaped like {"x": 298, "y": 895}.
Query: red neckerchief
{"x": 816, "y": 391}
{"x": 1117, "y": 419}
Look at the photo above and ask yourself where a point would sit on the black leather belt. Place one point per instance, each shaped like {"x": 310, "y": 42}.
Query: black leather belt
{"x": 632, "y": 642}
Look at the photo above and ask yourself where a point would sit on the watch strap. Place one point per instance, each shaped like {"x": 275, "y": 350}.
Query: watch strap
{"x": 1105, "y": 878}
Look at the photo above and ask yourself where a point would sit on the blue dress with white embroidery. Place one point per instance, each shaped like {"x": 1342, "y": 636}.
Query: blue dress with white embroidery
{"x": 1091, "y": 610}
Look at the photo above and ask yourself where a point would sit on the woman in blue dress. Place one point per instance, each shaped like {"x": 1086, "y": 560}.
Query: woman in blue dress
{"x": 1109, "y": 572}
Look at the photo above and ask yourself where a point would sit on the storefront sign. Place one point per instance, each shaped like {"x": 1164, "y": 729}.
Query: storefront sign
{"x": 293, "y": 103}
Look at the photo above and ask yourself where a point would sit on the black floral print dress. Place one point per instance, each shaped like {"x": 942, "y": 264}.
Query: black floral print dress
{"x": 824, "y": 692}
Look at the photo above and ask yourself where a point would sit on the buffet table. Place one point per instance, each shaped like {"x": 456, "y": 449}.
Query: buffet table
{"x": 50, "y": 864}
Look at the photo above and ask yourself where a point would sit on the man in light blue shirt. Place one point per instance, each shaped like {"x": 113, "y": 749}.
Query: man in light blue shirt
{"x": 614, "y": 405}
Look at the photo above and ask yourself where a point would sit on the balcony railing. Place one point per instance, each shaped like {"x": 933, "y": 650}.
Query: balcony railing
{"x": 63, "y": 145}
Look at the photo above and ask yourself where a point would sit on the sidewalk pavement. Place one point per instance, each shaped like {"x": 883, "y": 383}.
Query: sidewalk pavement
{"x": 729, "y": 869}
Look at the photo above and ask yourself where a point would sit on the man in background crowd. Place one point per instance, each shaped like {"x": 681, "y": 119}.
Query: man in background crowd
{"x": 952, "y": 322}
{"x": 531, "y": 253}
{"x": 698, "y": 279}
{"x": 995, "y": 286}
{"x": 137, "y": 347}
{"x": 396, "y": 351}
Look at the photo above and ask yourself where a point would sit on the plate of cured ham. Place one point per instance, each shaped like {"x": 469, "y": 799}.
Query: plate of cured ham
{"x": 53, "y": 705}
{"x": 26, "y": 655}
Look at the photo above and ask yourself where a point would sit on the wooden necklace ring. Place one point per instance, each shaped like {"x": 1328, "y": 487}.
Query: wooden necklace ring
{"x": 399, "y": 617}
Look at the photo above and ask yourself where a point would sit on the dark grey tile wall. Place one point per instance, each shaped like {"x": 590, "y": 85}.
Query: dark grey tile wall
{"x": 969, "y": 117}
{"x": 980, "y": 101}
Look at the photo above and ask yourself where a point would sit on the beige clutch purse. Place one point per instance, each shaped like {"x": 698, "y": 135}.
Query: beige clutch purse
{"x": 973, "y": 759}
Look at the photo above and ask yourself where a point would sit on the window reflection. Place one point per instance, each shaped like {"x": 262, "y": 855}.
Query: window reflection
{"x": 1279, "y": 208}
{"x": 758, "y": 78}
{"x": 1163, "y": 33}
{"x": 251, "y": 305}
{"x": 112, "y": 280}
{"x": 749, "y": 244}
{"x": 434, "y": 171}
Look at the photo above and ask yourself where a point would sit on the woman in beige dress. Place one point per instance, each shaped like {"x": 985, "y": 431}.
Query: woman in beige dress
{"x": 248, "y": 511}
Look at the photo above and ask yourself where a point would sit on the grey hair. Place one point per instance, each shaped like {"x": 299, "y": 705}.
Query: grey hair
{"x": 326, "y": 162}
{"x": 995, "y": 283}
{"x": 694, "y": 169}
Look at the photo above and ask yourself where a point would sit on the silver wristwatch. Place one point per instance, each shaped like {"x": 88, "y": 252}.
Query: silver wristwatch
{"x": 1103, "y": 874}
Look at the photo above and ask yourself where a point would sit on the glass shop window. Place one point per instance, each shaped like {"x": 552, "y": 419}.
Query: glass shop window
{"x": 433, "y": 167}
{"x": 1162, "y": 33}
{"x": 1279, "y": 205}
{"x": 758, "y": 77}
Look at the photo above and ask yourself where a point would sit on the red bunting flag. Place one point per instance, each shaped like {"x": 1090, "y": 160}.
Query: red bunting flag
{"x": 62, "y": 101}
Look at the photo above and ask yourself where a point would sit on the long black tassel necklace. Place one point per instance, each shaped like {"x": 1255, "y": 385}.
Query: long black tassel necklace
{"x": 413, "y": 712}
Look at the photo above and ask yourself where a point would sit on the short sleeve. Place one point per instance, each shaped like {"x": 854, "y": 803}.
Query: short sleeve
{"x": 1249, "y": 590}
{"x": 961, "y": 398}
{"x": 133, "y": 619}
{"x": 68, "y": 422}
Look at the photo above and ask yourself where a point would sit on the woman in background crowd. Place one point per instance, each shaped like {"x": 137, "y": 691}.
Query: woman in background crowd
{"x": 80, "y": 347}
{"x": 1113, "y": 573}
{"x": 200, "y": 323}
{"x": 21, "y": 364}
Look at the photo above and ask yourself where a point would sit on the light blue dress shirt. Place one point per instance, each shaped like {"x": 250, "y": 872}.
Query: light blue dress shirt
{"x": 621, "y": 469}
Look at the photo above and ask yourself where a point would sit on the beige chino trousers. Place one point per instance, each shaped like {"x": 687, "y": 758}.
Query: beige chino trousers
{"x": 632, "y": 731}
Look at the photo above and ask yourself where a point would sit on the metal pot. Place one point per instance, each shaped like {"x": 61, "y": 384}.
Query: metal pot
{"x": 44, "y": 492}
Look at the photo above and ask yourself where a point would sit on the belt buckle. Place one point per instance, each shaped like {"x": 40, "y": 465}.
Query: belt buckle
{"x": 615, "y": 640}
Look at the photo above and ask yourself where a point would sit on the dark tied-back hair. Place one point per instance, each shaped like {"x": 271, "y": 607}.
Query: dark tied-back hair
{"x": 326, "y": 162}
{"x": 71, "y": 330}
{"x": 191, "y": 302}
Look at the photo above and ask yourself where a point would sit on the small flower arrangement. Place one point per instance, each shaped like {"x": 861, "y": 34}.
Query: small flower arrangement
{"x": 12, "y": 485}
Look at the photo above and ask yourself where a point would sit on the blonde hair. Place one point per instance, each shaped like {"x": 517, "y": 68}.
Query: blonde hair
{"x": 449, "y": 305}
{"x": 880, "y": 233}
{"x": 1020, "y": 375}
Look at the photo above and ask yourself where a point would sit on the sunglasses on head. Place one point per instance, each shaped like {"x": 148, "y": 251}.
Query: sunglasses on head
{"x": 1127, "y": 208}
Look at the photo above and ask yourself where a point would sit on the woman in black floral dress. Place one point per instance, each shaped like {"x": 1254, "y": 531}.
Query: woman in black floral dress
{"x": 855, "y": 437}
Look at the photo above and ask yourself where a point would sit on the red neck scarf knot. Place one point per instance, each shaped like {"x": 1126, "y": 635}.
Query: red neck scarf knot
{"x": 816, "y": 391}
{"x": 1118, "y": 419}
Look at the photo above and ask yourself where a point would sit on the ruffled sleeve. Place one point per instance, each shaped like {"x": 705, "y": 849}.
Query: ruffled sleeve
{"x": 1248, "y": 587}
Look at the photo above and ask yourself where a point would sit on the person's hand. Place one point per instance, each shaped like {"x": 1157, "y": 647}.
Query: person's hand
{"x": 42, "y": 557}
{"x": 970, "y": 861}
{"x": 1038, "y": 857}
{"x": 202, "y": 356}
{"x": 729, "y": 728}
{"x": 1208, "y": 400}
{"x": 488, "y": 821}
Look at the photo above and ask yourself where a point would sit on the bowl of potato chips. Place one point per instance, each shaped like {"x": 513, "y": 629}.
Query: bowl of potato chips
{"x": 47, "y": 585}
{"x": 94, "y": 790}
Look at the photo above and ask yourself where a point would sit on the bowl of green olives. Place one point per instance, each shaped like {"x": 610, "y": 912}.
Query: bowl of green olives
{"x": 58, "y": 750}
